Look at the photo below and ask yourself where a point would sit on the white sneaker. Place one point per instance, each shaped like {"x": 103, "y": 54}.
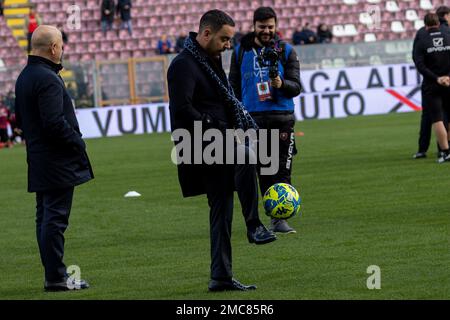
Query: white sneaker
{"x": 443, "y": 157}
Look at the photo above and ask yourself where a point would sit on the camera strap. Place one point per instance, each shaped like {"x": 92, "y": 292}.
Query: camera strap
{"x": 262, "y": 87}
{"x": 257, "y": 63}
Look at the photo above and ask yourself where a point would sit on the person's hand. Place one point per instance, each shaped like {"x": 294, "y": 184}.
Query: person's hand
{"x": 107, "y": 12}
{"x": 444, "y": 81}
{"x": 276, "y": 83}
{"x": 447, "y": 81}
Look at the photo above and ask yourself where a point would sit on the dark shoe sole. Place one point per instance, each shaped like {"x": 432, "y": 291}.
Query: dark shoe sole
{"x": 56, "y": 289}
{"x": 221, "y": 289}
{"x": 262, "y": 242}
{"x": 228, "y": 289}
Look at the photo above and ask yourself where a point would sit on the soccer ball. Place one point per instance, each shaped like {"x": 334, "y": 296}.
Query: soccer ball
{"x": 281, "y": 201}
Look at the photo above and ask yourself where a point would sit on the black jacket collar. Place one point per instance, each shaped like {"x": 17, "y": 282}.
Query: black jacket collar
{"x": 41, "y": 60}
{"x": 248, "y": 41}
{"x": 443, "y": 21}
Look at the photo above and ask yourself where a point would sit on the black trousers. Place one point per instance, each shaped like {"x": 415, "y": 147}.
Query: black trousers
{"x": 220, "y": 194}
{"x": 426, "y": 120}
{"x": 285, "y": 124}
{"x": 52, "y": 218}
{"x": 425, "y": 131}
{"x": 4, "y": 135}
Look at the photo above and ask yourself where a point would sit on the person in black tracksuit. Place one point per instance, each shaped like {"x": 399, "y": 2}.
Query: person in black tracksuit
{"x": 274, "y": 110}
{"x": 432, "y": 59}
{"x": 443, "y": 13}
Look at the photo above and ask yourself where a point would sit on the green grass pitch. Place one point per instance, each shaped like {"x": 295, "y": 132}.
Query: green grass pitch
{"x": 365, "y": 202}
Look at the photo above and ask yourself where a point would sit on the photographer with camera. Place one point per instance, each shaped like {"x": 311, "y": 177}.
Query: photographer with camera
{"x": 265, "y": 76}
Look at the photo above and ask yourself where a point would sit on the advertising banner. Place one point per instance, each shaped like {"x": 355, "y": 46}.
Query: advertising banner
{"x": 332, "y": 93}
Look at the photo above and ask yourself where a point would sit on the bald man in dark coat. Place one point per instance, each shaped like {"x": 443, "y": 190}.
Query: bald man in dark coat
{"x": 56, "y": 153}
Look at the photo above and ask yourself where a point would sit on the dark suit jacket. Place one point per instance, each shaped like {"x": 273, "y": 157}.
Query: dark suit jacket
{"x": 125, "y": 14}
{"x": 56, "y": 153}
{"x": 108, "y": 5}
{"x": 195, "y": 97}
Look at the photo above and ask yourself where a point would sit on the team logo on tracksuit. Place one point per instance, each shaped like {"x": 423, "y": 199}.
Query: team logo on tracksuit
{"x": 438, "y": 42}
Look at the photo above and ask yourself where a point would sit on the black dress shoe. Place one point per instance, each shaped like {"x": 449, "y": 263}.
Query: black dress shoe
{"x": 261, "y": 235}
{"x": 233, "y": 284}
{"x": 66, "y": 285}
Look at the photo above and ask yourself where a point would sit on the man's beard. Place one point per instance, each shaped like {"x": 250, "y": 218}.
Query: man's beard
{"x": 264, "y": 42}
{"x": 213, "y": 52}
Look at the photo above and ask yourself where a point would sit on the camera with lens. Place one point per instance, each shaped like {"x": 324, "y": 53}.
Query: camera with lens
{"x": 269, "y": 57}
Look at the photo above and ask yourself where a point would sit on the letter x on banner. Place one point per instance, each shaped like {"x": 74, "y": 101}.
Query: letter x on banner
{"x": 404, "y": 100}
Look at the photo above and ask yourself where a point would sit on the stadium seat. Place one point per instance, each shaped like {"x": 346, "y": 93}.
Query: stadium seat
{"x": 370, "y": 37}
{"x": 411, "y": 15}
{"x": 350, "y": 30}
{"x": 426, "y": 5}
{"x": 338, "y": 30}
{"x": 392, "y": 6}
{"x": 397, "y": 26}
{"x": 418, "y": 24}
{"x": 365, "y": 18}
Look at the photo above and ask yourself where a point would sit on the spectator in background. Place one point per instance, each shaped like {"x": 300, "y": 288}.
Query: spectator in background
{"x": 71, "y": 90}
{"x": 124, "y": 9}
{"x": 296, "y": 36}
{"x": 4, "y": 116}
{"x": 324, "y": 34}
{"x": 164, "y": 45}
{"x": 179, "y": 45}
{"x": 107, "y": 15}
{"x": 1, "y": 8}
{"x": 9, "y": 101}
{"x": 305, "y": 36}
{"x": 32, "y": 21}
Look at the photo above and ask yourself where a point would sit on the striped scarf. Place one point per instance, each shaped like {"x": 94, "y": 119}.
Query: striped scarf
{"x": 243, "y": 120}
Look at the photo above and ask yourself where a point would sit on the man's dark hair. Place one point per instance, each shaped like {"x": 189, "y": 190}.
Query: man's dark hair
{"x": 442, "y": 11}
{"x": 215, "y": 19}
{"x": 431, "y": 19}
{"x": 264, "y": 13}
